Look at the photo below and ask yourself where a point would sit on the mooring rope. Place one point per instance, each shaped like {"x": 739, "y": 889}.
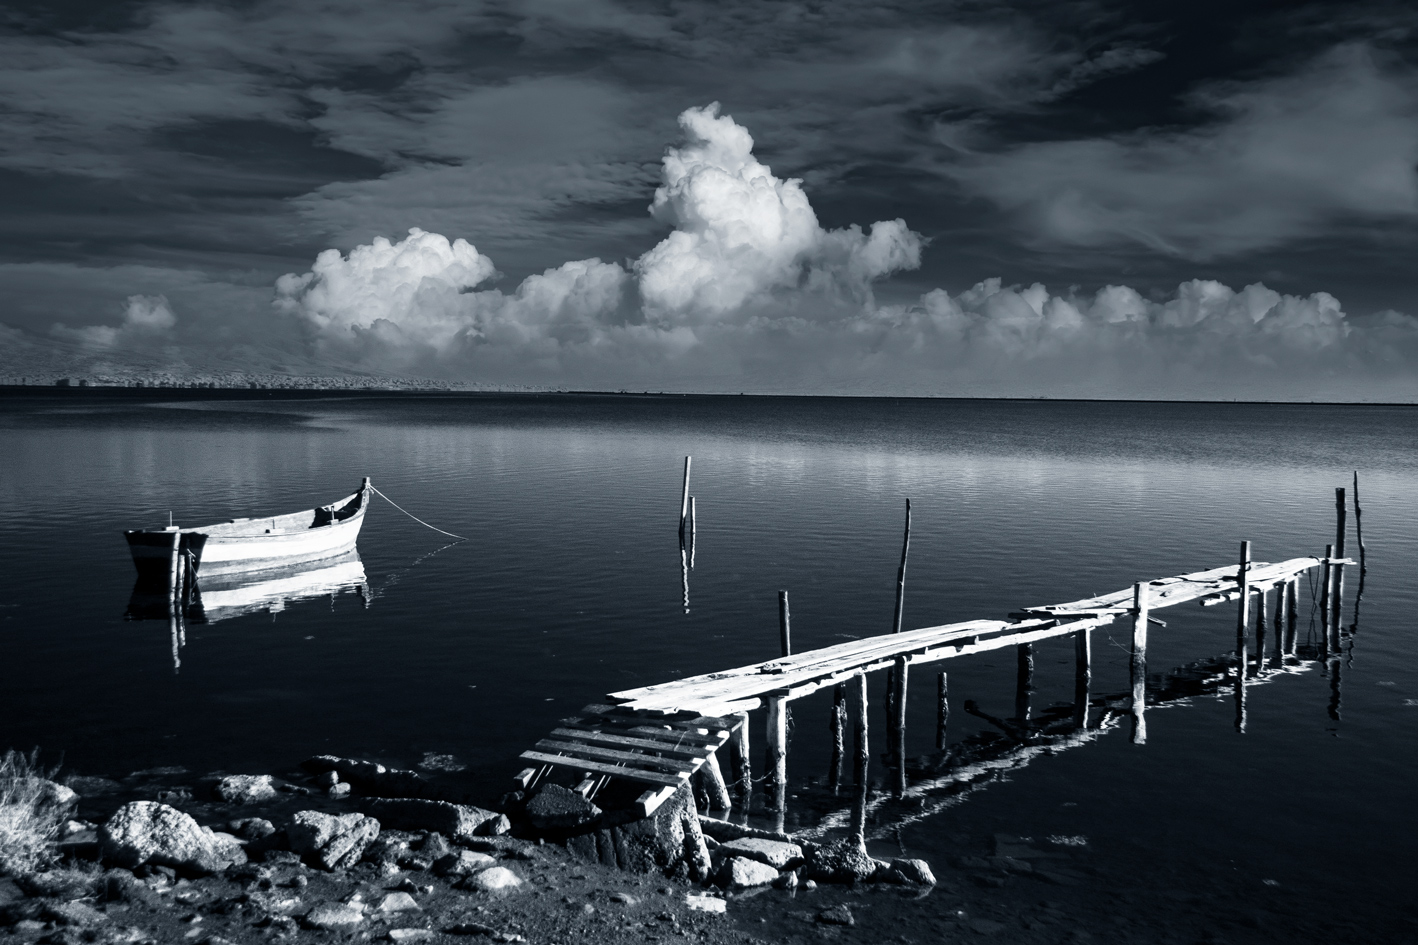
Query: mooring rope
{"x": 412, "y": 515}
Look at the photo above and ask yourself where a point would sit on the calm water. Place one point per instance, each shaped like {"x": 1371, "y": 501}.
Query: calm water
{"x": 571, "y": 587}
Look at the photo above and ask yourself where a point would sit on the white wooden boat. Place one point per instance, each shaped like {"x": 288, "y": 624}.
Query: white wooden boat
{"x": 253, "y": 544}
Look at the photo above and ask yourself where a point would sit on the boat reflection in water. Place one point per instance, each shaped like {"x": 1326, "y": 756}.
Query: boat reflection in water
{"x": 210, "y": 598}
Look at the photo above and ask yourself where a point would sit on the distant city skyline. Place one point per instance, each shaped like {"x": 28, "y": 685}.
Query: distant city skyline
{"x": 1093, "y": 199}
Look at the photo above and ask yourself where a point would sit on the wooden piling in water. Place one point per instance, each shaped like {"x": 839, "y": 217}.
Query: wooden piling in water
{"x": 785, "y": 634}
{"x": 174, "y": 572}
{"x": 1139, "y": 663}
{"x": 837, "y": 723}
{"x": 1337, "y": 588}
{"x": 1023, "y": 681}
{"x": 684, "y": 498}
{"x": 862, "y": 760}
{"x": 776, "y": 755}
{"x": 718, "y": 791}
{"x": 1326, "y": 572}
{"x": 942, "y": 710}
{"x": 1292, "y": 616}
{"x": 1260, "y": 628}
{"x": 1082, "y": 675}
{"x": 898, "y": 725}
{"x": 890, "y": 691}
{"x": 1359, "y": 526}
{"x": 1278, "y": 626}
{"x": 1243, "y": 613}
{"x": 743, "y": 763}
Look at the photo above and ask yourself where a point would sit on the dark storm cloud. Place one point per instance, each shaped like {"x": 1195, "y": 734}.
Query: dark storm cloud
{"x": 193, "y": 153}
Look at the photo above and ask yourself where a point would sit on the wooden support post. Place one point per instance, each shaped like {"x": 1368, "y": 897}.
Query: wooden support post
{"x": 1327, "y": 574}
{"x": 898, "y": 725}
{"x": 1278, "y": 624}
{"x": 714, "y": 780}
{"x": 1082, "y": 675}
{"x": 1139, "y": 663}
{"x": 901, "y": 572}
{"x": 684, "y": 498}
{"x": 859, "y": 769}
{"x": 942, "y": 710}
{"x": 776, "y": 755}
{"x": 1024, "y": 681}
{"x": 785, "y": 636}
{"x": 1359, "y": 527}
{"x": 1243, "y": 578}
{"x": 1260, "y": 628}
{"x": 1337, "y": 585}
{"x": 1292, "y": 617}
{"x": 743, "y": 763}
{"x": 174, "y": 572}
{"x": 837, "y": 723}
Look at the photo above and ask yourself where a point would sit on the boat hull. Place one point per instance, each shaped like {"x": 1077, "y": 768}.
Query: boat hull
{"x": 253, "y": 544}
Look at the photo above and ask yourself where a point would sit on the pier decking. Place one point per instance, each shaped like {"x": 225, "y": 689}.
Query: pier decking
{"x": 663, "y": 734}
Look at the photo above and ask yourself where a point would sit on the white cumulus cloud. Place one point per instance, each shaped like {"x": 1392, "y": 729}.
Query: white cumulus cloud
{"x": 147, "y": 317}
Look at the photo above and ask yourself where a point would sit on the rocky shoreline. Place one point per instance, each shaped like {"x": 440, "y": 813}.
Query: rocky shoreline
{"x": 358, "y": 851}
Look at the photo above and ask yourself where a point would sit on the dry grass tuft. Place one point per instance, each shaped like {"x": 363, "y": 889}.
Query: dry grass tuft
{"x": 29, "y": 821}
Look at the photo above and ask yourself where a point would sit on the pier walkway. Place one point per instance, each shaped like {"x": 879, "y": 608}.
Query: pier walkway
{"x": 662, "y": 735}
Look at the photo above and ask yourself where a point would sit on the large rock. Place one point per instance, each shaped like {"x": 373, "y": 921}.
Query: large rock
{"x": 558, "y": 808}
{"x": 739, "y": 872}
{"x": 497, "y": 879}
{"x": 452, "y": 820}
{"x": 777, "y": 854}
{"x": 913, "y": 872}
{"x": 371, "y": 778}
{"x": 462, "y": 863}
{"x": 246, "y": 789}
{"x": 845, "y": 861}
{"x": 334, "y": 916}
{"x": 331, "y": 841}
{"x": 148, "y": 832}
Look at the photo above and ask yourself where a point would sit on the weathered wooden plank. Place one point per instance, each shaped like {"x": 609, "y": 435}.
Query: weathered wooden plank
{"x": 669, "y": 748}
{"x": 632, "y": 774}
{"x": 654, "y": 733}
{"x": 575, "y": 750}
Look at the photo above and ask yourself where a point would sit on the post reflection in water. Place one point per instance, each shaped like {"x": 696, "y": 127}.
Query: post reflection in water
{"x": 223, "y": 597}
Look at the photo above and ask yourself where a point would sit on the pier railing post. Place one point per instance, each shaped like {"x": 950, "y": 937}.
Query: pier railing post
{"x": 777, "y": 751}
{"x": 1139, "y": 662}
{"x": 1242, "y": 626}
{"x": 898, "y": 748}
{"x": 1082, "y": 675}
{"x": 785, "y": 635}
{"x": 862, "y": 760}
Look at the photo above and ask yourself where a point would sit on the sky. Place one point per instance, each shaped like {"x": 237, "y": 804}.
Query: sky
{"x": 1196, "y": 200}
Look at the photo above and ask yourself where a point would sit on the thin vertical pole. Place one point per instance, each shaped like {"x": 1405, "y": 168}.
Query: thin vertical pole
{"x": 838, "y": 723}
{"x": 1023, "y": 681}
{"x": 1292, "y": 618}
{"x": 174, "y": 572}
{"x": 859, "y": 806}
{"x": 743, "y": 762}
{"x": 1278, "y": 628}
{"x": 942, "y": 710}
{"x": 1328, "y": 572}
{"x": 1139, "y": 663}
{"x": 785, "y": 634}
{"x": 1260, "y": 628}
{"x": 684, "y": 498}
{"x": 1082, "y": 675}
{"x": 890, "y": 690}
{"x": 1359, "y": 526}
{"x": 777, "y": 751}
{"x": 1242, "y": 626}
{"x": 898, "y": 727}
{"x": 1337, "y": 597}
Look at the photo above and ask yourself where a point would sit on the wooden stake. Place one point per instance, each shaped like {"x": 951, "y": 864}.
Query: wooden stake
{"x": 837, "y": 722}
{"x": 901, "y": 572}
{"x": 777, "y": 752}
{"x": 714, "y": 780}
{"x": 1328, "y": 570}
{"x": 1023, "y": 681}
{"x": 1243, "y": 613}
{"x": 174, "y": 572}
{"x": 743, "y": 763}
{"x": 1082, "y": 675}
{"x": 684, "y": 498}
{"x": 1139, "y": 663}
{"x": 1278, "y": 627}
{"x": 1260, "y": 629}
{"x": 859, "y": 807}
{"x": 1337, "y": 588}
{"x": 898, "y": 727}
{"x": 785, "y": 636}
{"x": 1292, "y": 617}
{"x": 1359, "y": 525}
{"x": 942, "y": 711}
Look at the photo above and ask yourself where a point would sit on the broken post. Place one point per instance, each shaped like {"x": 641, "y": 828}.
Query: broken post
{"x": 714, "y": 782}
{"x": 837, "y": 723}
{"x": 776, "y": 760}
{"x": 942, "y": 711}
{"x": 1139, "y": 663}
{"x": 898, "y": 724}
{"x": 1337, "y": 585}
{"x": 1082, "y": 675}
{"x": 859, "y": 770}
{"x": 684, "y": 499}
{"x": 743, "y": 764}
{"x": 784, "y": 630}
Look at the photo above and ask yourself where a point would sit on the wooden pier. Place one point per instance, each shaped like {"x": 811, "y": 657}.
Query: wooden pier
{"x": 663, "y": 735}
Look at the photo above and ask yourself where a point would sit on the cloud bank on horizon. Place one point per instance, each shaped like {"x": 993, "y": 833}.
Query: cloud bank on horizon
{"x": 749, "y": 291}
